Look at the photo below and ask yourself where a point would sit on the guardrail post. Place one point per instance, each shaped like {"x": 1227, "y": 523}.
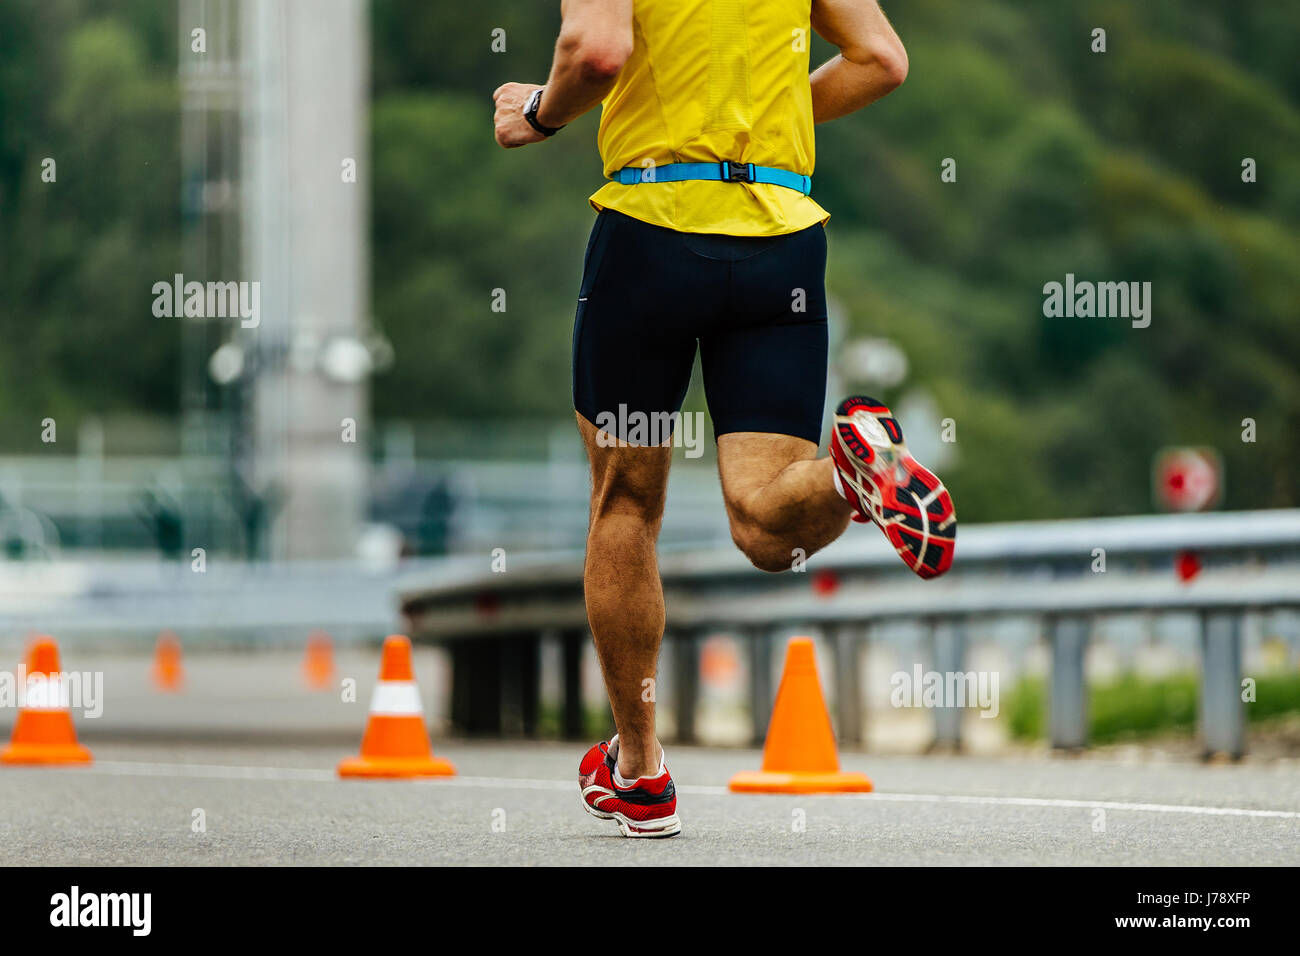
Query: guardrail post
{"x": 476, "y": 686}
{"x": 948, "y": 643}
{"x": 511, "y": 682}
{"x": 571, "y": 721}
{"x": 1223, "y": 724}
{"x": 761, "y": 693}
{"x": 1068, "y": 701}
{"x": 519, "y": 684}
{"x": 686, "y": 683}
{"x": 848, "y": 686}
{"x": 459, "y": 686}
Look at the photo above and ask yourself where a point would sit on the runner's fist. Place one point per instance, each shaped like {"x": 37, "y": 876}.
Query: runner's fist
{"x": 511, "y": 127}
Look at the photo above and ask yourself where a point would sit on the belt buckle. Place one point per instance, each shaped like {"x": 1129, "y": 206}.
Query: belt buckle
{"x": 737, "y": 173}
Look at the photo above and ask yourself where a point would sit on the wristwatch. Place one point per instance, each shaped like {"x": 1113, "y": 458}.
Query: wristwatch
{"x": 531, "y": 107}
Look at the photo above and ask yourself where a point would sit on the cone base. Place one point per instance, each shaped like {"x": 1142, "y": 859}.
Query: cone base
{"x": 396, "y": 767}
{"x": 767, "y": 781}
{"x": 46, "y": 754}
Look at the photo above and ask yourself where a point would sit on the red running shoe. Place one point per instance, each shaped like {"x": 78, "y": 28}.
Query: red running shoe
{"x": 885, "y": 484}
{"x": 648, "y": 808}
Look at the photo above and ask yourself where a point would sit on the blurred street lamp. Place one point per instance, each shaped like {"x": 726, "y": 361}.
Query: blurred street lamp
{"x": 345, "y": 360}
{"x": 875, "y": 362}
{"x": 341, "y": 359}
{"x": 226, "y": 364}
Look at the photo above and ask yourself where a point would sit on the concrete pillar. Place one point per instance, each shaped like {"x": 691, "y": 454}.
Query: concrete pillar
{"x": 572, "y": 720}
{"x": 306, "y": 226}
{"x": 686, "y": 683}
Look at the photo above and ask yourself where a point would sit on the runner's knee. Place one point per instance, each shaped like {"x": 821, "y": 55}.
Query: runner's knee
{"x": 620, "y": 498}
{"x": 766, "y": 551}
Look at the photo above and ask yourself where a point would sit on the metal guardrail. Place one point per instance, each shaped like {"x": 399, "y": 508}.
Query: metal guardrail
{"x": 135, "y": 598}
{"x": 70, "y": 506}
{"x": 1249, "y": 561}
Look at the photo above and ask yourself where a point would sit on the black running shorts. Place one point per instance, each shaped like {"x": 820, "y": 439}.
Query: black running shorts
{"x": 756, "y": 305}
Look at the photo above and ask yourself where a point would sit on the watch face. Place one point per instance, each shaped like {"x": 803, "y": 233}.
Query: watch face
{"x": 531, "y": 105}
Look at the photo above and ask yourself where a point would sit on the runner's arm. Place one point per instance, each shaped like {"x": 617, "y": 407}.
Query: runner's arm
{"x": 871, "y": 63}
{"x": 595, "y": 41}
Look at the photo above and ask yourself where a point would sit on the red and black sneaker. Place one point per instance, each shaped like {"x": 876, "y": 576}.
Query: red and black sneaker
{"x": 885, "y": 484}
{"x": 647, "y": 808}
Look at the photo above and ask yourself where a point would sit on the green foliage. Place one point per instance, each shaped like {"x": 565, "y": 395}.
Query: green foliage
{"x": 1026, "y": 709}
{"x": 79, "y": 255}
{"x": 1134, "y": 706}
{"x": 1275, "y": 696}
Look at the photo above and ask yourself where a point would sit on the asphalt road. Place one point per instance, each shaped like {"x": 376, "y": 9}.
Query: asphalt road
{"x": 515, "y": 804}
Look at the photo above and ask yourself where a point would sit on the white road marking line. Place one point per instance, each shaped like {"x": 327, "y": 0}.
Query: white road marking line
{"x": 505, "y": 783}
{"x": 1079, "y": 804}
{"x": 121, "y": 768}
{"x": 216, "y": 771}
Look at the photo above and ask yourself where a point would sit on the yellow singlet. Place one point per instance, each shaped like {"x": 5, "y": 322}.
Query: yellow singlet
{"x": 713, "y": 81}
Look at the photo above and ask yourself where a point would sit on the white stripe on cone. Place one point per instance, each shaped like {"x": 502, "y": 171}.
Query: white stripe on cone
{"x": 395, "y": 698}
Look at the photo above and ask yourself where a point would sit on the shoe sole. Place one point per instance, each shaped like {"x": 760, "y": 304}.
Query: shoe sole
{"x": 638, "y": 829}
{"x": 918, "y": 517}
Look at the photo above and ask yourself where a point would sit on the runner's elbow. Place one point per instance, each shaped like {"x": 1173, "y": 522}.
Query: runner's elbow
{"x": 894, "y": 64}
{"x": 603, "y": 65}
{"x": 887, "y": 54}
{"x": 598, "y": 59}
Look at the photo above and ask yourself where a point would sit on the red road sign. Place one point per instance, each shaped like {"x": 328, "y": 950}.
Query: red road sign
{"x": 1187, "y": 479}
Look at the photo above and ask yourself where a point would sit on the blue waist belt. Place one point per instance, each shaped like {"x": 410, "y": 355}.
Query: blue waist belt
{"x": 718, "y": 172}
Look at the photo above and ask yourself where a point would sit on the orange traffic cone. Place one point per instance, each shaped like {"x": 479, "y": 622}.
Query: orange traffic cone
{"x": 43, "y": 733}
{"x": 396, "y": 743}
{"x": 167, "y": 671}
{"x": 318, "y": 663}
{"x": 800, "y": 755}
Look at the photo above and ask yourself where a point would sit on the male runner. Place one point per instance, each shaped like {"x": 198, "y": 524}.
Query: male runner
{"x": 706, "y": 235}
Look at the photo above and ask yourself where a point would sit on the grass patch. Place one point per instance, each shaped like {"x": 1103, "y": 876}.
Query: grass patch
{"x": 597, "y": 722}
{"x": 1134, "y": 706}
